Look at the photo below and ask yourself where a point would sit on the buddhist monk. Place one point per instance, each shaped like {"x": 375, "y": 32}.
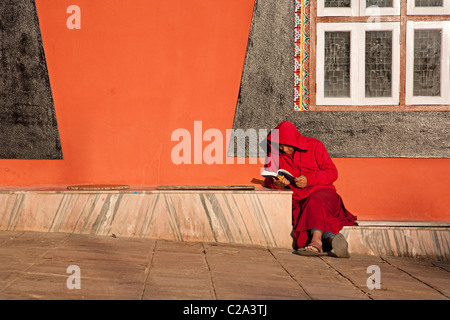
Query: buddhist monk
{"x": 318, "y": 211}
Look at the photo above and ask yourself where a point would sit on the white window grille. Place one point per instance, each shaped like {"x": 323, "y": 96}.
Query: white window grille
{"x": 427, "y": 7}
{"x": 335, "y": 8}
{"x": 358, "y": 63}
{"x": 427, "y": 60}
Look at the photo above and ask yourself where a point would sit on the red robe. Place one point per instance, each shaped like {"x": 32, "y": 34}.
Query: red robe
{"x": 317, "y": 206}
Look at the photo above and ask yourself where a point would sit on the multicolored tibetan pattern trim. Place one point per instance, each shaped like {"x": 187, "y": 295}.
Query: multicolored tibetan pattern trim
{"x": 302, "y": 52}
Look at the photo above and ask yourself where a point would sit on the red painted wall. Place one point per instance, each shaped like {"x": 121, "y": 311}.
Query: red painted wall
{"x": 140, "y": 69}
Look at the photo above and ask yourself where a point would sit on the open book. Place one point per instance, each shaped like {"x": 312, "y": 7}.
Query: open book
{"x": 278, "y": 174}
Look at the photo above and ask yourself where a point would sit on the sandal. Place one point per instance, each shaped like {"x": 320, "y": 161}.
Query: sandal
{"x": 340, "y": 246}
{"x": 309, "y": 252}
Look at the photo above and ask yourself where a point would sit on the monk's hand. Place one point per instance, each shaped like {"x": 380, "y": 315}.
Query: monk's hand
{"x": 301, "y": 182}
{"x": 281, "y": 183}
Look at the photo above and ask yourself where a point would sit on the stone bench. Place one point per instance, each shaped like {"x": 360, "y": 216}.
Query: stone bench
{"x": 415, "y": 239}
{"x": 228, "y": 215}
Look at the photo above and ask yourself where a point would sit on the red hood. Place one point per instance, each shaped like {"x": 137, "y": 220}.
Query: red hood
{"x": 289, "y": 135}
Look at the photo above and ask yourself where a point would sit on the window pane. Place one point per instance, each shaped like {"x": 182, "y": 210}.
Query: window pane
{"x": 427, "y": 62}
{"x": 429, "y": 3}
{"x": 337, "y": 64}
{"x": 378, "y": 64}
{"x": 337, "y": 3}
{"x": 380, "y": 3}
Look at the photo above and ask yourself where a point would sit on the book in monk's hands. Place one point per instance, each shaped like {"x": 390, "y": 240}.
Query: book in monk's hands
{"x": 278, "y": 174}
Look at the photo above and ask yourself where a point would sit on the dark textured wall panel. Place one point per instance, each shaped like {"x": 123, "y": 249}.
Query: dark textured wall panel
{"x": 28, "y": 127}
{"x": 378, "y": 134}
{"x": 266, "y": 99}
{"x": 267, "y": 78}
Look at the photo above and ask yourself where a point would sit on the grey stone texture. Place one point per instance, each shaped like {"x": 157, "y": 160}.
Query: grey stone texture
{"x": 28, "y": 127}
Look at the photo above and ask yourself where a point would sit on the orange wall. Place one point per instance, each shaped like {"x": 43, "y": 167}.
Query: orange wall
{"x": 139, "y": 69}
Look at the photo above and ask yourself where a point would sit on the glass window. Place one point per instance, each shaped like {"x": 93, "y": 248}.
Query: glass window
{"x": 427, "y": 67}
{"x": 425, "y": 7}
{"x": 358, "y": 63}
{"x": 429, "y": 3}
{"x": 380, "y": 3}
{"x": 337, "y": 8}
{"x": 378, "y": 64}
{"x": 337, "y": 64}
{"x": 379, "y": 7}
{"x": 427, "y": 62}
{"x": 337, "y": 3}
{"x": 358, "y": 50}
{"x": 333, "y": 8}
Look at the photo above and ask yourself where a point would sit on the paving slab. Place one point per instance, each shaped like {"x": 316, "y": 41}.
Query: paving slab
{"x": 317, "y": 278}
{"x": 434, "y": 275}
{"x": 240, "y": 272}
{"x": 178, "y": 270}
{"x": 394, "y": 283}
{"x": 36, "y": 266}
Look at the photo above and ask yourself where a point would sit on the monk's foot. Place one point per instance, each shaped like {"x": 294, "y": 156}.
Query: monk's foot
{"x": 315, "y": 246}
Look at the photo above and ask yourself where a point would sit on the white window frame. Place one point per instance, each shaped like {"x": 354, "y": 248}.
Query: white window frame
{"x": 376, "y": 11}
{"x": 445, "y": 65}
{"x": 413, "y": 10}
{"x": 357, "y": 63}
{"x": 357, "y": 8}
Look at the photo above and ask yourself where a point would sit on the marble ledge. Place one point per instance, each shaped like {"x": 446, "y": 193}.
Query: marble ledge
{"x": 400, "y": 224}
{"x": 259, "y": 217}
{"x": 140, "y": 190}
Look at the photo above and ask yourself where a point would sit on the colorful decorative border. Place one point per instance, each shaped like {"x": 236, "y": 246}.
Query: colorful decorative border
{"x": 301, "y": 56}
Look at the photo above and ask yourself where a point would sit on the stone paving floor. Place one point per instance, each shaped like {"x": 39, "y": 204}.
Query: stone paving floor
{"x": 58, "y": 266}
